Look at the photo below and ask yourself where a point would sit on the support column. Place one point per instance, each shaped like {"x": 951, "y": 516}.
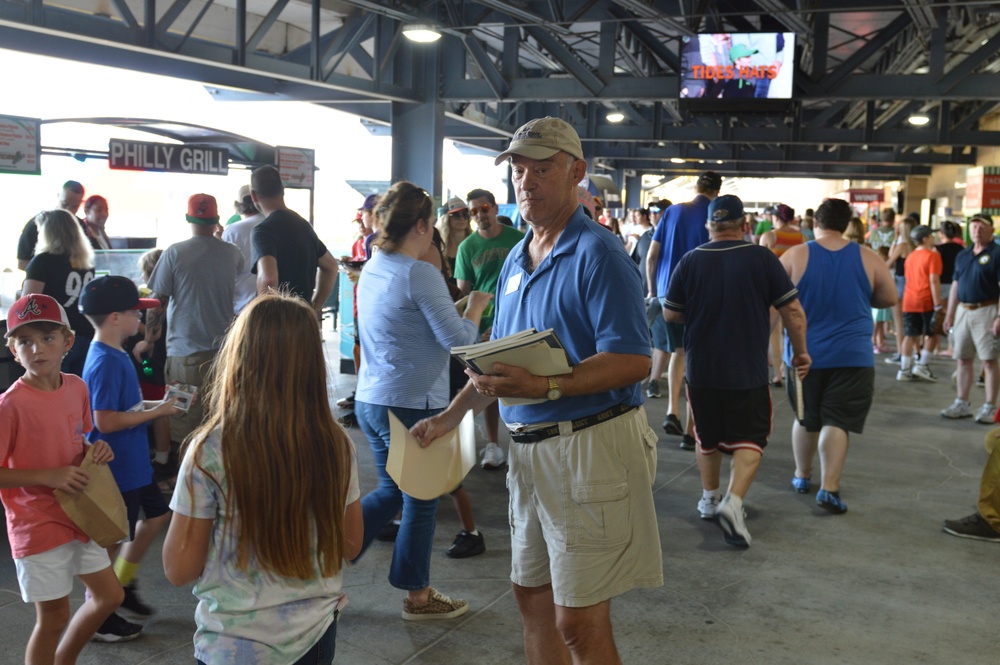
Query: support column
{"x": 418, "y": 129}
{"x": 633, "y": 189}
{"x": 914, "y": 193}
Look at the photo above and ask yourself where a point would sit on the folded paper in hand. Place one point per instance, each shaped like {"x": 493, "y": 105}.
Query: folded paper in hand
{"x": 427, "y": 473}
{"x": 541, "y": 353}
{"x": 98, "y": 509}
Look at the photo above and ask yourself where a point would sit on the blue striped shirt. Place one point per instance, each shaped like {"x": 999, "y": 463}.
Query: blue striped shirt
{"x": 407, "y": 324}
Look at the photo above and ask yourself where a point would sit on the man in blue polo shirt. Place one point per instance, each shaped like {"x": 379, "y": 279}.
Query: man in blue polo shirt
{"x": 972, "y": 308}
{"x": 582, "y": 457}
{"x": 681, "y": 229}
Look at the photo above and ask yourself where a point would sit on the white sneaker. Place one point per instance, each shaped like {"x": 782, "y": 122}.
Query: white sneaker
{"x": 731, "y": 517}
{"x": 958, "y": 409}
{"x": 905, "y": 375}
{"x": 985, "y": 414}
{"x": 922, "y": 371}
{"x": 707, "y": 506}
{"x": 493, "y": 456}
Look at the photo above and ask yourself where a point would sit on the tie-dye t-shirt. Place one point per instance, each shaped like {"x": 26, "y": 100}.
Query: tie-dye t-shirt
{"x": 250, "y": 617}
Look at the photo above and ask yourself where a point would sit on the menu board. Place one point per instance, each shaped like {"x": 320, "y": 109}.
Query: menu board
{"x": 296, "y": 166}
{"x": 20, "y": 145}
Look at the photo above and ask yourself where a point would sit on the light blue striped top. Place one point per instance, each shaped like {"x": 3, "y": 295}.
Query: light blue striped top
{"x": 408, "y": 324}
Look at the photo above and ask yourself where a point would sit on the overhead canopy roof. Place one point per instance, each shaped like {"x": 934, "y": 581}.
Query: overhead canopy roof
{"x": 861, "y": 69}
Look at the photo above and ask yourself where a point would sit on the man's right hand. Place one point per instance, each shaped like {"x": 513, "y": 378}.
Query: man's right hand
{"x": 429, "y": 429}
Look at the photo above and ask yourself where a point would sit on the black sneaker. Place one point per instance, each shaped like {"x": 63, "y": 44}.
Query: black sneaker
{"x": 973, "y": 526}
{"x": 389, "y": 532}
{"x": 166, "y": 471}
{"x": 466, "y": 545}
{"x": 117, "y": 629}
{"x": 672, "y": 425}
{"x": 348, "y": 420}
{"x": 133, "y": 604}
{"x": 687, "y": 443}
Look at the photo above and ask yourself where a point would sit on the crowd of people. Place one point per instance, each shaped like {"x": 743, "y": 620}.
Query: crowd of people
{"x": 221, "y": 351}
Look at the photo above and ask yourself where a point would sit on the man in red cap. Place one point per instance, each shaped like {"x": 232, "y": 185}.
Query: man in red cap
{"x": 195, "y": 282}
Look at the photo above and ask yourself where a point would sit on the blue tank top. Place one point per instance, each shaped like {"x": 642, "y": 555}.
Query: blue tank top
{"x": 836, "y": 296}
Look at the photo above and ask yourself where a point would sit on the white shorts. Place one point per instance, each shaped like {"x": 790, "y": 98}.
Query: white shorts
{"x": 581, "y": 511}
{"x": 49, "y": 575}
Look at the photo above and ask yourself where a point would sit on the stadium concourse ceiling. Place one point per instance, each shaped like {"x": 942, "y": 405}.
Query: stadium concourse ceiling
{"x": 861, "y": 69}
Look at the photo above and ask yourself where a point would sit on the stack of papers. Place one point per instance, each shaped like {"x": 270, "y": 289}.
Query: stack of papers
{"x": 541, "y": 353}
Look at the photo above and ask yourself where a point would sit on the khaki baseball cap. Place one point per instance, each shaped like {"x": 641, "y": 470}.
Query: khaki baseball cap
{"x": 541, "y": 138}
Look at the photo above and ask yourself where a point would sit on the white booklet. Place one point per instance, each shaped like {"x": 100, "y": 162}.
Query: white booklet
{"x": 541, "y": 353}
{"x": 427, "y": 473}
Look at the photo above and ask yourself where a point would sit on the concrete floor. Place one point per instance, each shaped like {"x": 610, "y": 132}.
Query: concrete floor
{"x": 881, "y": 584}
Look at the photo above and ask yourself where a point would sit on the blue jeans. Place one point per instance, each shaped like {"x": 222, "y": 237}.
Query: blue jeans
{"x": 322, "y": 652}
{"x": 411, "y": 557}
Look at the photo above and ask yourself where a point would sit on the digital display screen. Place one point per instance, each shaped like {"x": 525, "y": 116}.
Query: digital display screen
{"x": 743, "y": 66}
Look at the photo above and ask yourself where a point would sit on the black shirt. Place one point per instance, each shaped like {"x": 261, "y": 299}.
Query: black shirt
{"x": 65, "y": 284}
{"x": 948, "y": 252}
{"x": 294, "y": 245}
{"x": 978, "y": 275}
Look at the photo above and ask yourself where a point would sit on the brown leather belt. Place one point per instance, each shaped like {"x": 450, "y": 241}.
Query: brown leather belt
{"x": 977, "y": 305}
{"x": 542, "y": 433}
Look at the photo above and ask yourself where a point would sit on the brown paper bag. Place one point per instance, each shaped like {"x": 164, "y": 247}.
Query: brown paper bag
{"x": 98, "y": 510}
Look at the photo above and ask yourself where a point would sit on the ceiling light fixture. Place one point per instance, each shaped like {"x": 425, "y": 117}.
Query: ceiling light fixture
{"x": 615, "y": 116}
{"x": 422, "y": 33}
{"x": 919, "y": 119}
{"x": 676, "y": 160}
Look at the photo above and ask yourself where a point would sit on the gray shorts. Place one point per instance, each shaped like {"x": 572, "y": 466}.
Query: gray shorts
{"x": 581, "y": 511}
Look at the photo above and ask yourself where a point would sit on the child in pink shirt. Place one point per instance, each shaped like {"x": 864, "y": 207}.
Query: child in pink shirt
{"x": 44, "y": 417}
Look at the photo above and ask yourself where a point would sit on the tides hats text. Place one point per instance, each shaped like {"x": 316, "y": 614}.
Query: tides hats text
{"x": 542, "y": 138}
{"x": 202, "y": 209}
{"x": 35, "y": 308}
{"x": 113, "y": 293}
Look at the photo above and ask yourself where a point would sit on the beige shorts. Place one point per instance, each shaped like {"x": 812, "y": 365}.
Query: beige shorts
{"x": 973, "y": 333}
{"x": 581, "y": 511}
{"x": 192, "y": 371}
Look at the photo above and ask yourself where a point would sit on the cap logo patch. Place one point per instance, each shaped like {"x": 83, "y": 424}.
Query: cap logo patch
{"x": 720, "y": 214}
{"x": 523, "y": 136}
{"x": 31, "y": 308}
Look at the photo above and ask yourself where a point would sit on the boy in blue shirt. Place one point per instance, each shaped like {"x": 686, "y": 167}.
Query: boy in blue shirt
{"x": 112, "y": 305}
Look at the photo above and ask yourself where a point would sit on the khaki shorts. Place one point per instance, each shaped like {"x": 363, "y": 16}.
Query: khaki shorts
{"x": 973, "y": 333}
{"x": 190, "y": 370}
{"x": 581, "y": 511}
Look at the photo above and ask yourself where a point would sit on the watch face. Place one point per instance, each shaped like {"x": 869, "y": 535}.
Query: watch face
{"x": 554, "y": 393}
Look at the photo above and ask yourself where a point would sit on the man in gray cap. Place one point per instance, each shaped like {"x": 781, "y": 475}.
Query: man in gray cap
{"x": 582, "y": 457}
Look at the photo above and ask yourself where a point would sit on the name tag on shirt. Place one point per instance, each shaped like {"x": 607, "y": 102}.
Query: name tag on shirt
{"x": 513, "y": 284}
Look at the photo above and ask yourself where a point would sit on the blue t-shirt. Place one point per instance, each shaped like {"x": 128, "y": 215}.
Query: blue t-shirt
{"x": 681, "y": 229}
{"x": 978, "y": 275}
{"x": 114, "y": 386}
{"x": 725, "y": 290}
{"x": 588, "y": 290}
{"x": 836, "y": 296}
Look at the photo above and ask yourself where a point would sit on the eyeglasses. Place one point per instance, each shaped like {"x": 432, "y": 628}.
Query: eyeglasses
{"x": 459, "y": 213}
{"x": 484, "y": 209}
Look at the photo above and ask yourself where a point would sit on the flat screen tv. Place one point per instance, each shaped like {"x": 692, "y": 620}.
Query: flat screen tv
{"x": 743, "y": 71}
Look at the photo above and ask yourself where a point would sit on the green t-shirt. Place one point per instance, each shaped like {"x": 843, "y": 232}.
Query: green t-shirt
{"x": 763, "y": 227}
{"x": 479, "y": 261}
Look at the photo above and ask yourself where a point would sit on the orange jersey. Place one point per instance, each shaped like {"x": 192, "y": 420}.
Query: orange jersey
{"x": 919, "y": 266}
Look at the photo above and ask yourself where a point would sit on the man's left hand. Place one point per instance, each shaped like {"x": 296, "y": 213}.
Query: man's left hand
{"x": 509, "y": 381}
{"x": 801, "y": 362}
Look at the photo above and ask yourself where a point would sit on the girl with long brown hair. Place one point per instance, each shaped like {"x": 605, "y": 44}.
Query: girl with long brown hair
{"x": 267, "y": 505}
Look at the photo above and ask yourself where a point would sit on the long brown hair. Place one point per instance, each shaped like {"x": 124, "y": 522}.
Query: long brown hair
{"x": 287, "y": 463}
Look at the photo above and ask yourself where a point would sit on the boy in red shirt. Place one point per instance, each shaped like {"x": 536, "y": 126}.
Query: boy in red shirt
{"x": 44, "y": 417}
{"x": 921, "y": 298}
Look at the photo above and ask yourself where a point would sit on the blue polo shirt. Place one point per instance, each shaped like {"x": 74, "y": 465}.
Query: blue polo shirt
{"x": 681, "y": 230}
{"x": 978, "y": 275}
{"x": 588, "y": 290}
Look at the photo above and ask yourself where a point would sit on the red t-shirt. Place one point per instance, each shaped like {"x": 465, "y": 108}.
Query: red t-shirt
{"x": 41, "y": 430}
{"x": 919, "y": 266}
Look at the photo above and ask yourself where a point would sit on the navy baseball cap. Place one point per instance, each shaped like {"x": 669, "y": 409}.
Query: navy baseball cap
{"x": 728, "y": 208}
{"x": 113, "y": 293}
